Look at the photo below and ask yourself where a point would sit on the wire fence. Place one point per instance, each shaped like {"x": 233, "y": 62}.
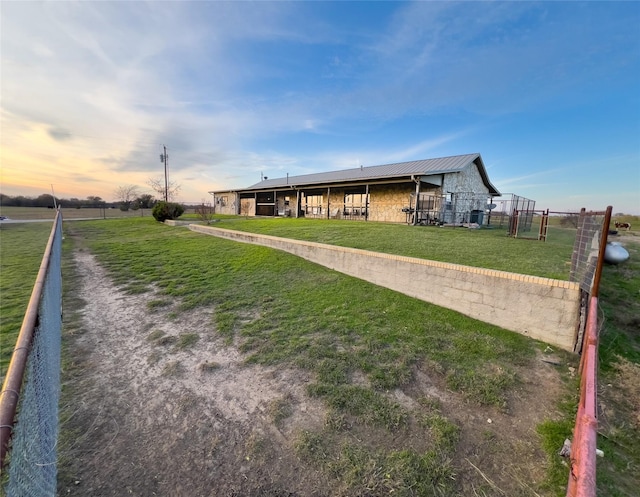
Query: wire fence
{"x": 28, "y": 439}
{"x": 586, "y": 268}
{"x": 592, "y": 229}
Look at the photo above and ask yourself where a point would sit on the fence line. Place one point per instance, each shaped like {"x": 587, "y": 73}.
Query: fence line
{"x": 33, "y": 378}
{"x": 582, "y": 474}
{"x": 592, "y": 231}
{"x": 586, "y": 268}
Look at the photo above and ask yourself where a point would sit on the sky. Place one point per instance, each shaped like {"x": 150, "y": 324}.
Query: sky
{"x": 547, "y": 92}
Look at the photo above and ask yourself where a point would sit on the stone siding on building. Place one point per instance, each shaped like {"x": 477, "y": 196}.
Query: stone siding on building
{"x": 470, "y": 193}
{"x": 387, "y": 201}
{"x": 226, "y": 203}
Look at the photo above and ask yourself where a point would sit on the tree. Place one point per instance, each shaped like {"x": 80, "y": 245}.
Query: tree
{"x": 157, "y": 185}
{"x": 94, "y": 201}
{"x": 167, "y": 210}
{"x": 145, "y": 201}
{"x": 204, "y": 211}
{"x": 125, "y": 195}
{"x": 45, "y": 200}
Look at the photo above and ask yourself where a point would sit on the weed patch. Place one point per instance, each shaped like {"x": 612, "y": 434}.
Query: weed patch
{"x": 172, "y": 368}
{"x": 155, "y": 335}
{"x": 368, "y": 406}
{"x": 363, "y": 471}
{"x": 485, "y": 387}
{"x": 280, "y": 409}
{"x": 186, "y": 340}
{"x": 166, "y": 340}
{"x": 157, "y": 304}
{"x": 209, "y": 367}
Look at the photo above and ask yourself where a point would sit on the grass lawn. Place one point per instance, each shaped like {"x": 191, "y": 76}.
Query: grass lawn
{"x": 619, "y": 378}
{"x": 21, "y": 249}
{"x": 282, "y": 310}
{"x": 487, "y": 248}
{"x": 383, "y": 331}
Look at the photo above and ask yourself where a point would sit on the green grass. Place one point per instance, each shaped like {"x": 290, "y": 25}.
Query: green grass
{"x": 187, "y": 340}
{"x": 335, "y": 326}
{"x": 553, "y": 433}
{"x": 368, "y": 406}
{"x": 307, "y": 315}
{"x": 618, "y": 473}
{"x": 487, "y": 248}
{"x": 365, "y": 471}
{"x": 21, "y": 249}
{"x": 282, "y": 310}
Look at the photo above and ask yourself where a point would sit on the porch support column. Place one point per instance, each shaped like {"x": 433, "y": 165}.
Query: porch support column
{"x": 415, "y": 210}
{"x": 297, "y": 203}
{"x": 366, "y": 203}
{"x": 328, "y": 202}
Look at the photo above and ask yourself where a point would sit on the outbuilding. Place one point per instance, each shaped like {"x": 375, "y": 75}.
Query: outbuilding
{"x": 447, "y": 190}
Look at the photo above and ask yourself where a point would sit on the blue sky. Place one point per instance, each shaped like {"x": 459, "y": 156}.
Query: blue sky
{"x": 547, "y": 92}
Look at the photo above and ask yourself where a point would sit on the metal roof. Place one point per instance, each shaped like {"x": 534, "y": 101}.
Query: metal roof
{"x": 387, "y": 171}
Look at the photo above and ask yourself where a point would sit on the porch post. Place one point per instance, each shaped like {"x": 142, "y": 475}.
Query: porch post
{"x": 366, "y": 203}
{"x": 415, "y": 211}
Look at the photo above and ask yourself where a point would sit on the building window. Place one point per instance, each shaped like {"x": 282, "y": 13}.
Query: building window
{"x": 313, "y": 205}
{"x": 355, "y": 204}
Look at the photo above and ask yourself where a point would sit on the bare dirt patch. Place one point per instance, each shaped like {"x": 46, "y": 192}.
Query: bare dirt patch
{"x": 150, "y": 412}
{"x": 150, "y": 418}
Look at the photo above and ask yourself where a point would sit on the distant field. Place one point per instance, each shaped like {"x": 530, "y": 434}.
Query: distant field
{"x": 25, "y": 213}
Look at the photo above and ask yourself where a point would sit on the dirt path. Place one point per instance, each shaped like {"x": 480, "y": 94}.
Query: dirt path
{"x": 158, "y": 405}
{"x": 157, "y": 419}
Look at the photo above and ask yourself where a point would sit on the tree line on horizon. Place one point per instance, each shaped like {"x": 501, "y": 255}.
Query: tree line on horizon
{"x": 143, "y": 201}
{"x": 127, "y": 197}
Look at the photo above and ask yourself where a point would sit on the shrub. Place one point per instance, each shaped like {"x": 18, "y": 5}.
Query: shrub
{"x": 167, "y": 210}
{"x": 570, "y": 220}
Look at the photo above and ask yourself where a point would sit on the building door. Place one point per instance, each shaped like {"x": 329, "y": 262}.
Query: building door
{"x": 248, "y": 206}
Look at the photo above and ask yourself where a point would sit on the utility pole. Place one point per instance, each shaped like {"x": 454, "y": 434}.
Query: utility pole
{"x": 164, "y": 158}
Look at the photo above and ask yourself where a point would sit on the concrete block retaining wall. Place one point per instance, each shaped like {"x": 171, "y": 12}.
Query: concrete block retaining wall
{"x": 541, "y": 308}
